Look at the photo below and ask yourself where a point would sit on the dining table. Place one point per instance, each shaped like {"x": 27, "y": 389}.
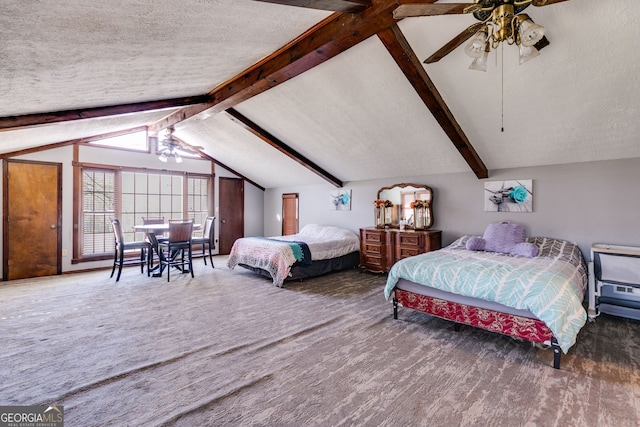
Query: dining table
{"x": 156, "y": 229}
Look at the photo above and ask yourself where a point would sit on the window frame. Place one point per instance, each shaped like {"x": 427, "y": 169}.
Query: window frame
{"x": 80, "y": 168}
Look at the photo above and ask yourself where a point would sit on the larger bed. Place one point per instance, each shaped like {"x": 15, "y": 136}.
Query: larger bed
{"x": 315, "y": 250}
{"x": 537, "y": 298}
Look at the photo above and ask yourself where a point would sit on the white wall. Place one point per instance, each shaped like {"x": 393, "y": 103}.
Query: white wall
{"x": 582, "y": 202}
{"x": 105, "y": 156}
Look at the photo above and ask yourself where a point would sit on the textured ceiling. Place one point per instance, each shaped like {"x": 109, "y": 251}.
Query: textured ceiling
{"x": 355, "y": 115}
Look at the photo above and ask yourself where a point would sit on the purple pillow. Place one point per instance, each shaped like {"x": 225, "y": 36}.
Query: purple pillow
{"x": 475, "y": 243}
{"x": 525, "y": 249}
{"x": 502, "y": 237}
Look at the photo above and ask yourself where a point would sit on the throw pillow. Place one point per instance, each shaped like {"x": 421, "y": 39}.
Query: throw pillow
{"x": 525, "y": 249}
{"x": 475, "y": 243}
{"x": 502, "y": 237}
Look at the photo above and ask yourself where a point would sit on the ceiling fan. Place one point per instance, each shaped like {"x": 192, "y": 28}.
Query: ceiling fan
{"x": 500, "y": 20}
{"x": 172, "y": 147}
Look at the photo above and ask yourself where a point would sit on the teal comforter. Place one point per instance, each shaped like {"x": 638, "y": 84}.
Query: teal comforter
{"x": 551, "y": 285}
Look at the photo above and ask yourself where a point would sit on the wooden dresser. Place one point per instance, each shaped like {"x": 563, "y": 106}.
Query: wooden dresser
{"x": 380, "y": 248}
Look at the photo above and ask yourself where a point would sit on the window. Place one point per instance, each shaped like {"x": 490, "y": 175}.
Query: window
{"x": 130, "y": 141}
{"x": 198, "y": 200}
{"x": 152, "y": 195}
{"x": 98, "y": 207}
{"x": 130, "y": 195}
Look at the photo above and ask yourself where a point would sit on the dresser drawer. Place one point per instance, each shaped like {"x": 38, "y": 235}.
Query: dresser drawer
{"x": 375, "y": 237}
{"x": 405, "y": 252}
{"x": 409, "y": 240}
{"x": 374, "y": 262}
{"x": 372, "y": 249}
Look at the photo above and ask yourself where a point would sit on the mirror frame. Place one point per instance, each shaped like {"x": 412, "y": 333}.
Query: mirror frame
{"x": 419, "y": 187}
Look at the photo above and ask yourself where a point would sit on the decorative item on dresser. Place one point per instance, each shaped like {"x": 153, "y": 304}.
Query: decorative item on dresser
{"x": 421, "y": 219}
{"x": 403, "y": 231}
{"x": 383, "y": 213}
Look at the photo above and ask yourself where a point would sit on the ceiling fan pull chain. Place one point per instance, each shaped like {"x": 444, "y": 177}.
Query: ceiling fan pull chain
{"x": 502, "y": 92}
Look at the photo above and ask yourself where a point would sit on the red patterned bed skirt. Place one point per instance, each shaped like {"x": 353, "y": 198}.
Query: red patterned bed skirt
{"x": 508, "y": 324}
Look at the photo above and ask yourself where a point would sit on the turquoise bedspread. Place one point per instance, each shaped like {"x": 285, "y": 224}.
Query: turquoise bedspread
{"x": 551, "y": 285}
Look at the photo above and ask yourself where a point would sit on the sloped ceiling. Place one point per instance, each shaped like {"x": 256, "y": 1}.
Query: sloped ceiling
{"x": 355, "y": 116}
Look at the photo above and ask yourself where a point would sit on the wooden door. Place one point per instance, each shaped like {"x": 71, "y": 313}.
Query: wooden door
{"x": 289, "y": 213}
{"x": 32, "y": 219}
{"x": 231, "y": 202}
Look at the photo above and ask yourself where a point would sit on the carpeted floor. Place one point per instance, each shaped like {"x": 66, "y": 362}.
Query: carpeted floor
{"x": 227, "y": 348}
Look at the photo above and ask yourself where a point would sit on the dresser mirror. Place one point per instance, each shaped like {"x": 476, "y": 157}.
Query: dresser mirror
{"x": 402, "y": 196}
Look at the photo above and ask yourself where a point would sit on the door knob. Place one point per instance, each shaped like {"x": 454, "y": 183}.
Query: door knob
{"x": 223, "y": 221}
{"x": 53, "y": 226}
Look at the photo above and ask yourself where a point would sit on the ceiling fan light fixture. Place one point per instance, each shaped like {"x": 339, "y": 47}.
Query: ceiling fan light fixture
{"x": 500, "y": 21}
{"x": 170, "y": 152}
{"x": 172, "y": 148}
{"x": 477, "y": 46}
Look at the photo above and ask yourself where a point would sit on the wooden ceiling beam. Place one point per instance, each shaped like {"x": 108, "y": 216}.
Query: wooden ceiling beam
{"x": 28, "y": 120}
{"x": 270, "y": 139}
{"x": 346, "y": 6}
{"x": 401, "y": 51}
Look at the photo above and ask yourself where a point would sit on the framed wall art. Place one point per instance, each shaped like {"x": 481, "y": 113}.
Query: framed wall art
{"x": 340, "y": 200}
{"x": 508, "y": 196}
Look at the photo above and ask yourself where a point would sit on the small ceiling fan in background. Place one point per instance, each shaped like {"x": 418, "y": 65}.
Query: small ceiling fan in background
{"x": 500, "y": 21}
{"x": 172, "y": 147}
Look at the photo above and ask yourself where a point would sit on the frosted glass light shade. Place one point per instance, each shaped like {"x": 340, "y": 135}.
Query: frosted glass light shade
{"x": 530, "y": 32}
{"x": 476, "y": 47}
{"x": 170, "y": 153}
{"x": 527, "y": 53}
{"x": 480, "y": 63}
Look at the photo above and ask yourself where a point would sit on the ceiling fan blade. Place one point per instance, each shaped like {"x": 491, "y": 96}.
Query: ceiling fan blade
{"x": 345, "y": 6}
{"x": 193, "y": 149}
{"x": 416, "y": 9}
{"x": 189, "y": 150}
{"x": 454, "y": 43}
{"x": 545, "y": 2}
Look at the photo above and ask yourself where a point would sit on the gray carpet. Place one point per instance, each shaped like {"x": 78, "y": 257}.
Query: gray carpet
{"x": 227, "y": 348}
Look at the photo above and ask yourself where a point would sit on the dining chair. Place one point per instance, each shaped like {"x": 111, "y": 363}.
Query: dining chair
{"x": 207, "y": 239}
{"x": 172, "y": 252}
{"x": 121, "y": 246}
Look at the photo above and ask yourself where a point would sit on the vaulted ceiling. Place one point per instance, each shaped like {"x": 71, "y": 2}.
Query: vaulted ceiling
{"x": 299, "y": 93}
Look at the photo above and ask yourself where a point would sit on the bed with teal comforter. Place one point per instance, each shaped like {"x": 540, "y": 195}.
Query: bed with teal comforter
{"x": 550, "y": 285}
